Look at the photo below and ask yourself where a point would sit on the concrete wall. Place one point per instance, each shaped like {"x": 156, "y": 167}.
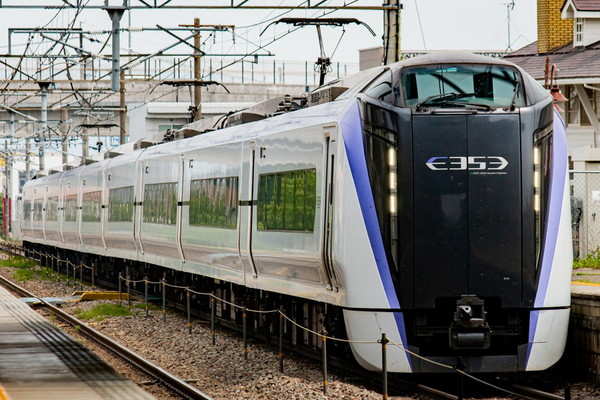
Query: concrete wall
{"x": 583, "y": 347}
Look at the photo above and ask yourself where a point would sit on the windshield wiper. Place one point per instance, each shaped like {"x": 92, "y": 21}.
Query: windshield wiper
{"x": 464, "y": 104}
{"x": 449, "y": 99}
{"x": 513, "y": 103}
{"x": 444, "y": 97}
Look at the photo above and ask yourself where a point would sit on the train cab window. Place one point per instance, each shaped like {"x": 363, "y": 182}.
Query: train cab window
{"x": 91, "y": 205}
{"x": 70, "y": 208}
{"x": 120, "y": 204}
{"x": 160, "y": 203}
{"x": 213, "y": 202}
{"x": 462, "y": 85}
{"x": 287, "y": 201}
{"x": 381, "y": 88}
{"x": 52, "y": 208}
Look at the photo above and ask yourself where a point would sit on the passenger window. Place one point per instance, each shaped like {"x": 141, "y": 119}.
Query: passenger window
{"x": 37, "y": 209}
{"x": 381, "y": 89}
{"x": 91, "y": 205}
{"x": 287, "y": 201}
{"x": 52, "y": 208}
{"x": 120, "y": 204}
{"x": 213, "y": 202}
{"x": 160, "y": 203}
{"x": 70, "y": 208}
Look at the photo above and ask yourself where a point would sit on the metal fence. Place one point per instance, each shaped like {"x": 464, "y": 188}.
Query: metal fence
{"x": 585, "y": 212}
{"x": 255, "y": 71}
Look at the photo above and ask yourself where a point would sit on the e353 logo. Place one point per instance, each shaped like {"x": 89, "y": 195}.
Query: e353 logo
{"x": 475, "y": 163}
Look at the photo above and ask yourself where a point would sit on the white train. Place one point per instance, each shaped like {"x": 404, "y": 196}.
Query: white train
{"x": 429, "y": 202}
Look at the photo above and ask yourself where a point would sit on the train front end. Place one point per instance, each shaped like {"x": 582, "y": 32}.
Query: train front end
{"x": 467, "y": 165}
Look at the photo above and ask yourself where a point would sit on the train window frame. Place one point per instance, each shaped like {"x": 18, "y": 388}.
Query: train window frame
{"x": 408, "y": 82}
{"x": 161, "y": 206}
{"x": 374, "y": 89}
{"x": 271, "y": 195}
{"x": 120, "y": 204}
{"x": 212, "y": 205}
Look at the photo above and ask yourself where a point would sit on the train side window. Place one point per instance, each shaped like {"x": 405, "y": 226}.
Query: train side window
{"x": 213, "y": 202}
{"x": 160, "y": 203}
{"x": 382, "y": 89}
{"x": 52, "y": 208}
{"x": 37, "y": 209}
{"x": 287, "y": 201}
{"x": 27, "y": 211}
{"x": 70, "y": 208}
{"x": 91, "y": 205}
{"x": 120, "y": 204}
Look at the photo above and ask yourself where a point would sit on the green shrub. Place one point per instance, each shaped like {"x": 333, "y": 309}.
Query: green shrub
{"x": 592, "y": 260}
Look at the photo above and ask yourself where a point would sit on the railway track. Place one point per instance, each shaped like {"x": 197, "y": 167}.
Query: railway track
{"x": 397, "y": 384}
{"x": 162, "y": 377}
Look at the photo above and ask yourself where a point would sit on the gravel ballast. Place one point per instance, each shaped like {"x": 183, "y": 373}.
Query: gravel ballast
{"x": 218, "y": 370}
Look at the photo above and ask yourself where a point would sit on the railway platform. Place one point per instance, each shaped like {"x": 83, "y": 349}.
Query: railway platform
{"x": 583, "y": 346}
{"x": 40, "y": 361}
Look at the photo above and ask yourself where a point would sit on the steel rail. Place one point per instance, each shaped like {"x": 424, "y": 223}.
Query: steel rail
{"x": 173, "y": 383}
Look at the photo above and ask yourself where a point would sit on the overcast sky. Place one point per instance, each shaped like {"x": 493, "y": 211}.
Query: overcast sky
{"x": 428, "y": 24}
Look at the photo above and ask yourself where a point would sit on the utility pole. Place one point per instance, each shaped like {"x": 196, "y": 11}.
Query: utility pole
{"x": 197, "y": 72}
{"x": 85, "y": 149}
{"x": 391, "y": 32}
{"x": 115, "y": 13}
{"x": 27, "y": 160}
{"x": 64, "y": 130}
{"x": 43, "y": 122}
{"x": 122, "y": 110}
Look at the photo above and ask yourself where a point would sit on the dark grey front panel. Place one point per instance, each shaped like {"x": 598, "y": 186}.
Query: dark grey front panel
{"x": 440, "y": 209}
{"x": 494, "y": 193}
{"x": 467, "y": 208}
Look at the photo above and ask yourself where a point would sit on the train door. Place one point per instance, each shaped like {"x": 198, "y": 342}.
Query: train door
{"x": 138, "y": 210}
{"x": 180, "y": 202}
{"x": 247, "y": 208}
{"x": 287, "y": 233}
{"x": 330, "y": 142}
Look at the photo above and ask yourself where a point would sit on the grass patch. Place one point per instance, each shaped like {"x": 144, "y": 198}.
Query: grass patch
{"x": 18, "y": 262}
{"x": 587, "y": 273}
{"x": 24, "y": 274}
{"x": 104, "y": 311}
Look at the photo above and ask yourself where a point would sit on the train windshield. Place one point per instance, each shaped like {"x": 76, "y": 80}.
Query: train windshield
{"x": 462, "y": 85}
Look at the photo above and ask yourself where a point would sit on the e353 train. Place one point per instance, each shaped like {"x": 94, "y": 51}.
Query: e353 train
{"x": 427, "y": 201}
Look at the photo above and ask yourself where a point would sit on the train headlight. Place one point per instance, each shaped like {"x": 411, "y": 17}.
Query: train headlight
{"x": 393, "y": 204}
{"x": 536, "y": 156}
{"x": 392, "y": 157}
{"x": 393, "y": 181}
